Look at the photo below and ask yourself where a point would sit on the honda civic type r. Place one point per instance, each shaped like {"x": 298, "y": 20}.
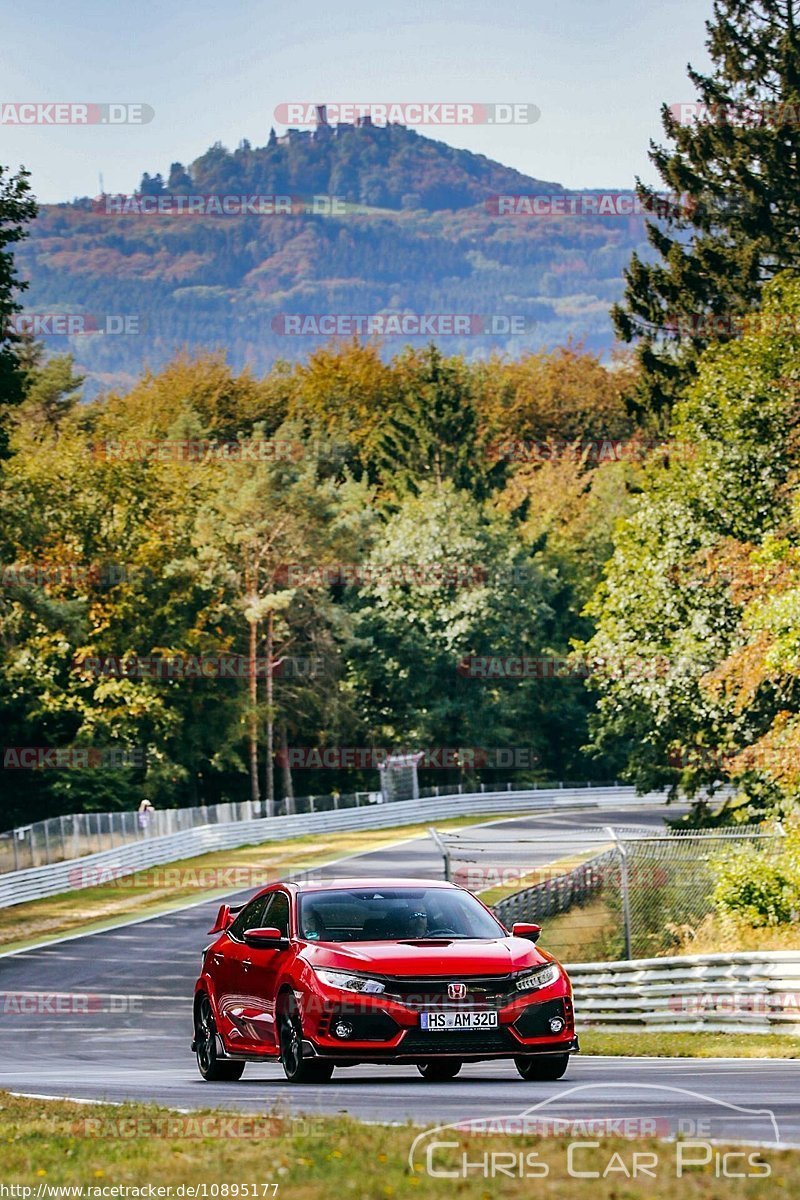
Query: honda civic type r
{"x": 326, "y": 975}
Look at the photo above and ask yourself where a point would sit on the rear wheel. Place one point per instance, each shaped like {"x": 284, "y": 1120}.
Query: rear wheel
{"x": 439, "y": 1070}
{"x": 290, "y": 1037}
{"x": 209, "y": 1064}
{"x": 543, "y": 1067}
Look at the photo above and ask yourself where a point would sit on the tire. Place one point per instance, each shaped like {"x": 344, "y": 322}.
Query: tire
{"x": 439, "y": 1070}
{"x": 545, "y": 1067}
{"x": 290, "y": 1039}
{"x": 213, "y": 1068}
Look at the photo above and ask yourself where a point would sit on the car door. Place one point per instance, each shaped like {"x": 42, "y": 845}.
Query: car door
{"x": 262, "y": 974}
{"x": 232, "y": 971}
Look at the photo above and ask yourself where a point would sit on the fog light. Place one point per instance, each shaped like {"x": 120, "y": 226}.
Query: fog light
{"x": 343, "y": 1029}
{"x": 556, "y": 1024}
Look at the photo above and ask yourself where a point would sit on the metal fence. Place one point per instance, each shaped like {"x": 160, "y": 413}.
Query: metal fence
{"x": 16, "y": 887}
{"x": 633, "y": 891}
{"x": 61, "y": 838}
{"x": 559, "y": 894}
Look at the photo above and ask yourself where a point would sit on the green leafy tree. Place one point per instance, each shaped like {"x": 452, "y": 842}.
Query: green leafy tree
{"x": 666, "y": 615}
{"x": 470, "y": 589}
{"x": 264, "y": 524}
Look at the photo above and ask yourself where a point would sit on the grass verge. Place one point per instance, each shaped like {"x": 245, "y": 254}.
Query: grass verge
{"x": 100, "y": 1147}
{"x": 525, "y": 879}
{"x": 689, "y": 1045}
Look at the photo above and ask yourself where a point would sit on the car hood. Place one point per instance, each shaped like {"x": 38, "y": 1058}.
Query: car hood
{"x": 498, "y": 956}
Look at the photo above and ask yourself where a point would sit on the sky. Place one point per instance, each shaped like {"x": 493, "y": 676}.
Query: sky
{"x": 211, "y": 71}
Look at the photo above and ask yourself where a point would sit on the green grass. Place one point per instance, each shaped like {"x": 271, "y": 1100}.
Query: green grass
{"x": 689, "y": 1045}
{"x": 58, "y": 1143}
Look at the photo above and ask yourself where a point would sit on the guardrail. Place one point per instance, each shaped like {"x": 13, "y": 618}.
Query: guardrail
{"x": 19, "y": 886}
{"x": 738, "y": 992}
{"x": 557, "y": 895}
{"x": 75, "y": 835}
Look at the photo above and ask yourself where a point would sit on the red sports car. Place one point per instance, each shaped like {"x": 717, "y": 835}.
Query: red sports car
{"x": 380, "y": 971}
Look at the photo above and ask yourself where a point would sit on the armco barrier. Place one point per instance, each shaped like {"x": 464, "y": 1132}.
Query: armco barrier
{"x": 739, "y": 992}
{"x": 557, "y": 895}
{"x": 18, "y": 886}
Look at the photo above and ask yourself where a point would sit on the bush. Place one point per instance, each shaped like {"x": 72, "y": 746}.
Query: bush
{"x": 759, "y": 888}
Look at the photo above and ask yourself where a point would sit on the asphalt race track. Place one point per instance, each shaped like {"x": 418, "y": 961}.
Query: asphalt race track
{"x": 130, "y": 1040}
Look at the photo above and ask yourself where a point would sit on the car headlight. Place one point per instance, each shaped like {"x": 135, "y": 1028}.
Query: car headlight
{"x": 349, "y": 982}
{"x": 538, "y": 977}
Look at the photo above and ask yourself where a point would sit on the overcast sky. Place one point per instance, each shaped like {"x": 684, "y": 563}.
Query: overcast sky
{"x": 216, "y": 71}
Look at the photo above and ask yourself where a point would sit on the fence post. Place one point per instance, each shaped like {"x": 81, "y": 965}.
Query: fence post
{"x": 623, "y": 887}
{"x": 442, "y": 848}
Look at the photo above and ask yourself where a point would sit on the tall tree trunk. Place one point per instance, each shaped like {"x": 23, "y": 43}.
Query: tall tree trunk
{"x": 270, "y": 767}
{"x": 288, "y": 786}
{"x": 252, "y": 683}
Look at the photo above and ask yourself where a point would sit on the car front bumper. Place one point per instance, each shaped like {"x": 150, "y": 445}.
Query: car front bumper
{"x": 384, "y": 1031}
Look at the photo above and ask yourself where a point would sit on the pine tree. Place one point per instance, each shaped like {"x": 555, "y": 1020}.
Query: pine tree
{"x": 17, "y": 207}
{"x": 433, "y": 432}
{"x": 731, "y": 218}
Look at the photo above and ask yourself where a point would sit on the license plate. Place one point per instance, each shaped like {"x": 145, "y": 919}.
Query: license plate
{"x": 458, "y": 1020}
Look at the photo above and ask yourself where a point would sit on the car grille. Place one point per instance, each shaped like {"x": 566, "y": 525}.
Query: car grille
{"x": 491, "y": 991}
{"x": 494, "y": 1041}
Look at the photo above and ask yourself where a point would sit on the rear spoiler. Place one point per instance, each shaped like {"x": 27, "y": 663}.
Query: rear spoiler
{"x": 225, "y": 917}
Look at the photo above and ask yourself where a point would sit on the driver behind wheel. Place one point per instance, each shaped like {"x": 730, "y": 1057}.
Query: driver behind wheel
{"x": 417, "y": 924}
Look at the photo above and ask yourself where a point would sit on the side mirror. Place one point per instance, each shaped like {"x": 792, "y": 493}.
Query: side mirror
{"x": 267, "y": 938}
{"x": 224, "y": 919}
{"x": 526, "y": 929}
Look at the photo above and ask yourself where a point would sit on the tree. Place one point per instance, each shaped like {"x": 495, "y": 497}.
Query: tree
{"x": 17, "y": 207}
{"x": 449, "y": 581}
{"x": 432, "y": 434}
{"x": 669, "y": 612}
{"x": 731, "y": 219}
{"x": 262, "y": 517}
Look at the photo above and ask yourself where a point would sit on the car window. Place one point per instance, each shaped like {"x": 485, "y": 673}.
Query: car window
{"x": 249, "y": 917}
{"x": 391, "y": 914}
{"x": 276, "y": 914}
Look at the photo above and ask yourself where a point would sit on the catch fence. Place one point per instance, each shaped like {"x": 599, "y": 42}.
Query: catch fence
{"x": 606, "y": 892}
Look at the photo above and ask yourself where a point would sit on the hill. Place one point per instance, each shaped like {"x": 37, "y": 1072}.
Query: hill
{"x": 408, "y": 224}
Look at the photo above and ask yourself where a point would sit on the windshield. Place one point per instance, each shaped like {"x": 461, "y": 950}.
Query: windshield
{"x": 394, "y": 914}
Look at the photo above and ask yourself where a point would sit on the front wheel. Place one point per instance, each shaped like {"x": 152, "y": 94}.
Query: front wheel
{"x": 213, "y": 1068}
{"x": 296, "y": 1068}
{"x": 439, "y": 1070}
{"x": 543, "y": 1067}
